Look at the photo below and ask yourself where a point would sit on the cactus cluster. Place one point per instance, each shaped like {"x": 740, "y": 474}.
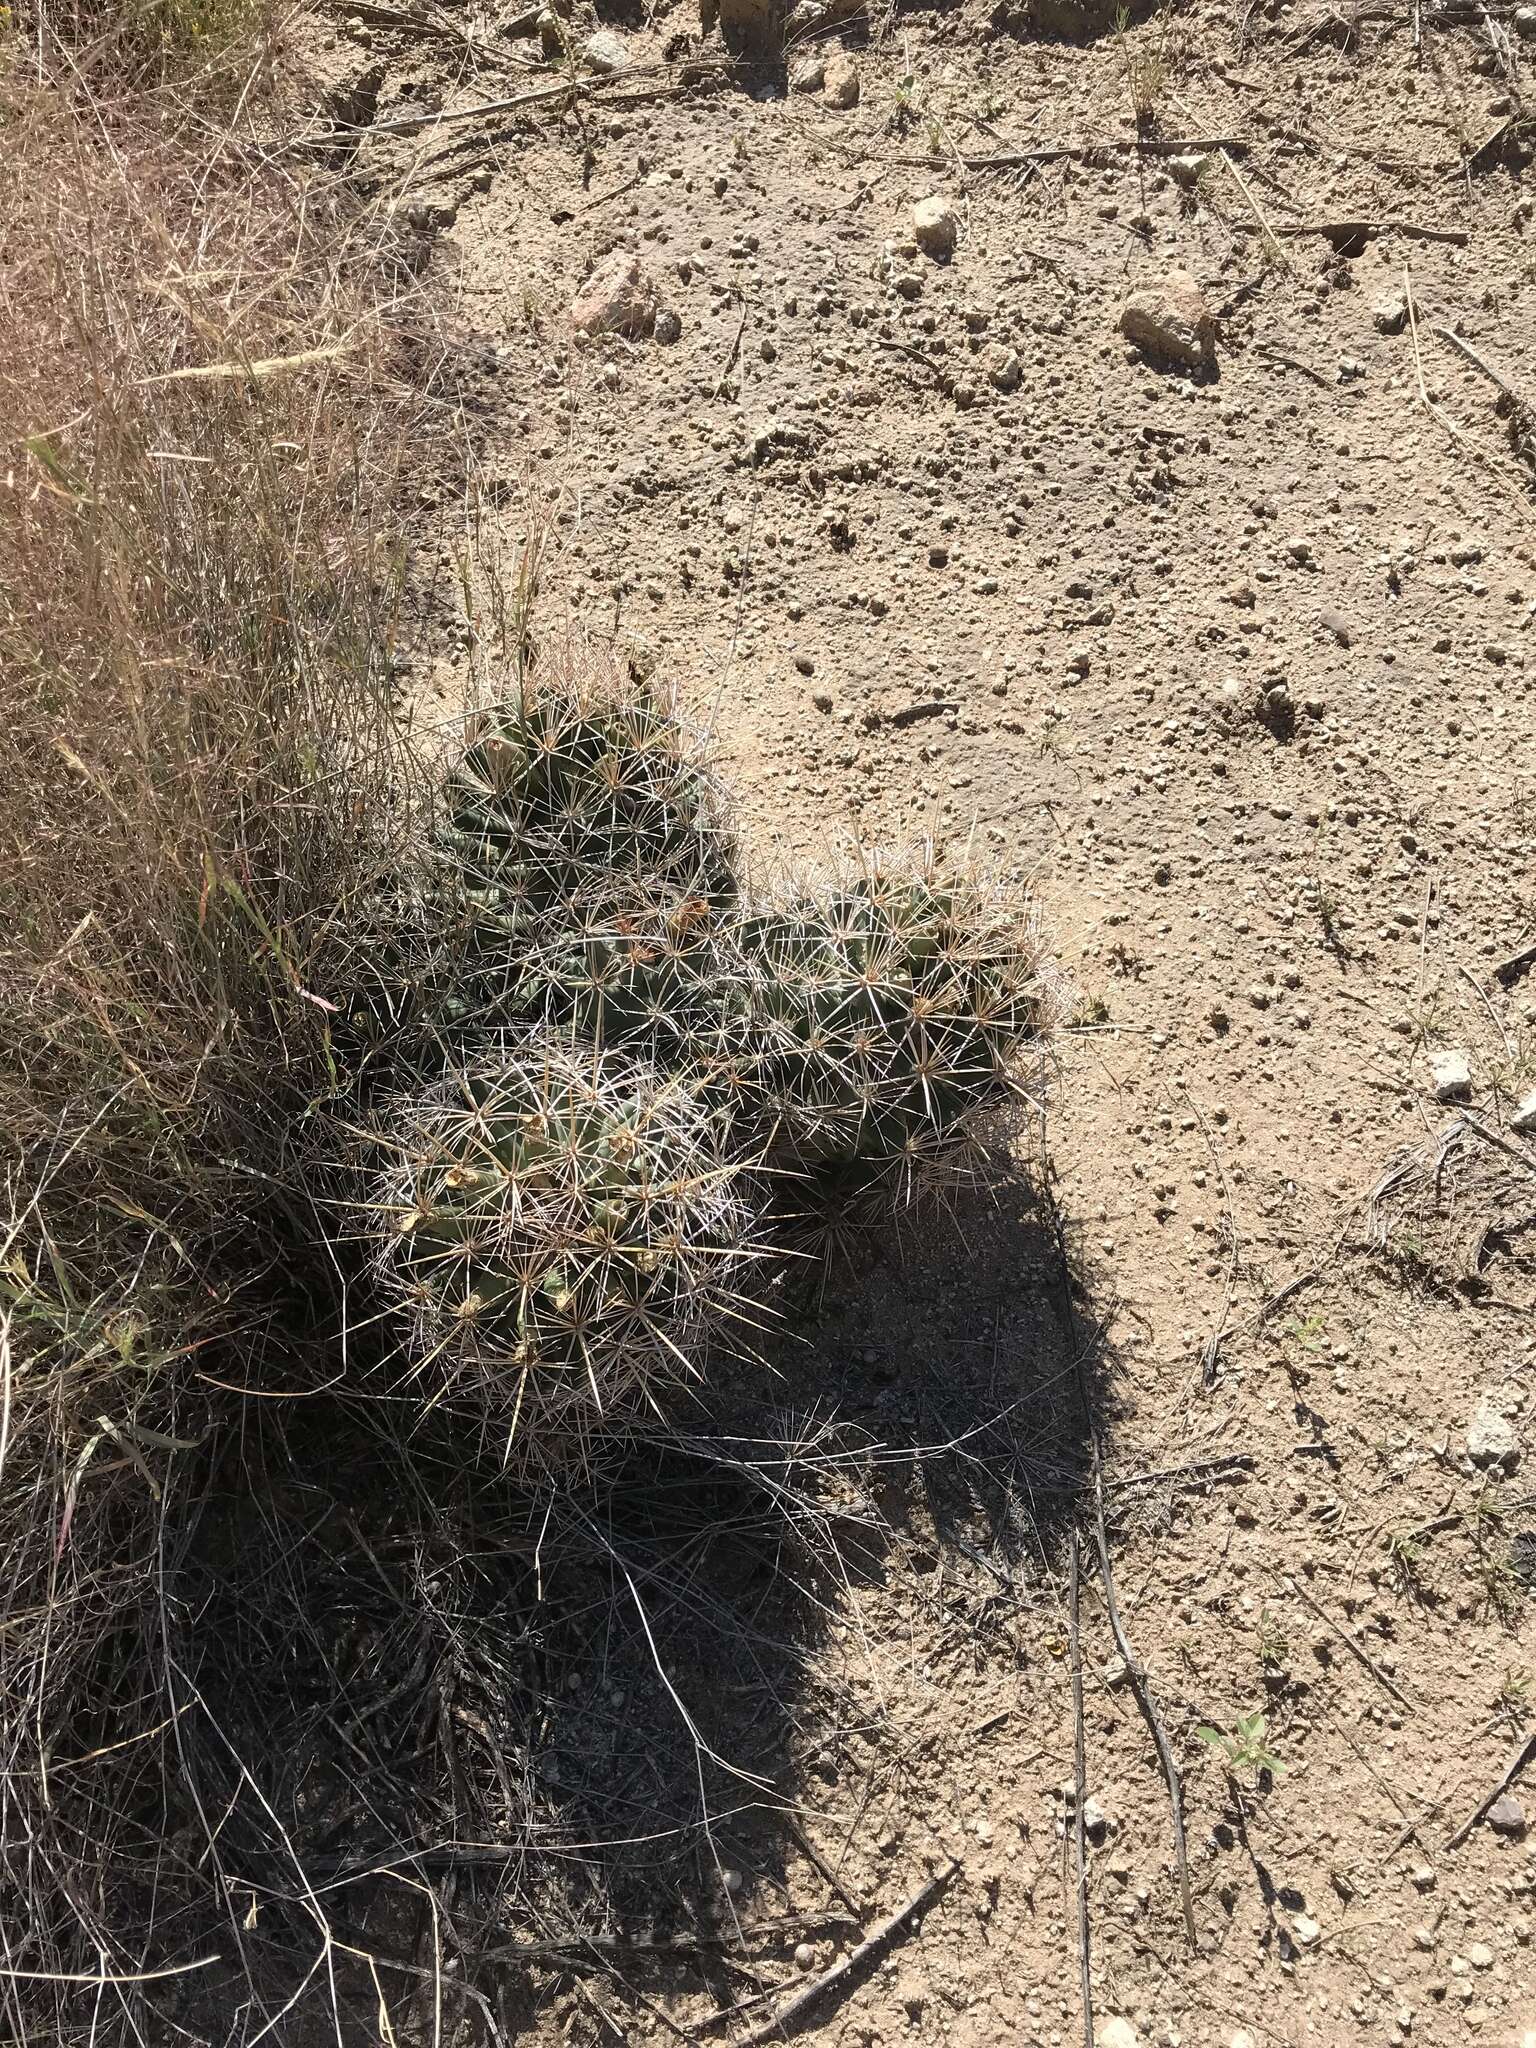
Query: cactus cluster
{"x": 636, "y": 1049}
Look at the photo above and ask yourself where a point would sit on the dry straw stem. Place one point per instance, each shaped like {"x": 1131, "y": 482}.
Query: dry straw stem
{"x": 197, "y": 757}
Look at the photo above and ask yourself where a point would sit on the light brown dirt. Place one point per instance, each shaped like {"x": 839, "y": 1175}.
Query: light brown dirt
{"x": 910, "y": 600}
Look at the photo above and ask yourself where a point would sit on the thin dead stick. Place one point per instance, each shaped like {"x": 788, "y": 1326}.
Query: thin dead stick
{"x": 412, "y": 21}
{"x": 1429, "y": 897}
{"x": 1015, "y": 160}
{"x": 1482, "y": 996}
{"x": 1465, "y": 348}
{"x": 1275, "y": 355}
{"x": 618, "y": 192}
{"x": 1418, "y": 361}
{"x": 1507, "y": 971}
{"x": 1381, "y": 1678}
{"x": 1258, "y": 213}
{"x": 936, "y": 377}
{"x": 604, "y": 1949}
{"x": 856, "y": 1960}
{"x": 1516, "y": 1152}
{"x": 722, "y": 2013}
{"x": 407, "y": 124}
{"x": 1080, "y": 1784}
{"x": 1148, "y": 1705}
{"x": 646, "y": 2005}
{"x": 1493, "y": 140}
{"x": 1346, "y": 230}
{"x": 1512, "y": 1770}
{"x": 1234, "y": 1461}
{"x": 1210, "y": 1356}
{"x": 104, "y": 1977}
{"x": 732, "y": 359}
{"x": 823, "y": 1869}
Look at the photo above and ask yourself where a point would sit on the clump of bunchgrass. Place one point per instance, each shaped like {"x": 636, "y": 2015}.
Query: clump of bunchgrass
{"x": 202, "y": 774}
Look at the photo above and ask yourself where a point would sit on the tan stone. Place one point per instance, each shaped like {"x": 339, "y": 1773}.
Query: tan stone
{"x": 936, "y": 226}
{"x": 618, "y": 298}
{"x": 1169, "y": 317}
{"x": 840, "y": 84}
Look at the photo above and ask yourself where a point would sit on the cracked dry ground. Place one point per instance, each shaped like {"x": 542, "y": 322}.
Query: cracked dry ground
{"x": 1238, "y": 670}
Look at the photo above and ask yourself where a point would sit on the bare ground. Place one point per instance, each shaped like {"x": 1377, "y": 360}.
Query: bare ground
{"x": 1237, "y": 667}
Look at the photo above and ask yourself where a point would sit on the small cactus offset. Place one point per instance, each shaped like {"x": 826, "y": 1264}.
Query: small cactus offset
{"x": 890, "y": 1008}
{"x": 571, "y": 795}
{"x": 654, "y": 973}
{"x": 563, "y": 1235}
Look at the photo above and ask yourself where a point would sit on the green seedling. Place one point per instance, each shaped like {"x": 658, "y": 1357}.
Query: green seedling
{"x": 1307, "y": 1331}
{"x": 1244, "y": 1748}
{"x": 1274, "y": 1645}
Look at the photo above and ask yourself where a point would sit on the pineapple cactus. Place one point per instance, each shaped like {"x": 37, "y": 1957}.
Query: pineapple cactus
{"x": 574, "y": 794}
{"x": 890, "y": 1010}
{"x": 659, "y": 975}
{"x": 561, "y": 1234}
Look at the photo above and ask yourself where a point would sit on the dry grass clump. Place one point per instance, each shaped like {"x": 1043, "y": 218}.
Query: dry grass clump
{"x": 213, "y": 46}
{"x": 201, "y": 773}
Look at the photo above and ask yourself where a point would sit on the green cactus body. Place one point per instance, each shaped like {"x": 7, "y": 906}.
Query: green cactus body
{"x": 656, "y": 977}
{"x": 563, "y": 1233}
{"x": 560, "y": 799}
{"x": 889, "y": 1011}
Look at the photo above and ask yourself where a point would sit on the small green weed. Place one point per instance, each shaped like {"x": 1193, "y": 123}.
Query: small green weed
{"x": 1500, "y": 1592}
{"x": 1407, "y": 1257}
{"x": 907, "y": 104}
{"x": 1307, "y": 1331}
{"x": 1274, "y": 1646}
{"x": 1512, "y": 1701}
{"x": 1146, "y": 70}
{"x": 1245, "y": 1746}
{"x": 1406, "y": 1552}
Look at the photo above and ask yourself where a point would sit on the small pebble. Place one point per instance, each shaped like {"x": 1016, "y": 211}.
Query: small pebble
{"x": 1451, "y": 1076}
{"x": 1506, "y": 1816}
{"x": 936, "y": 227}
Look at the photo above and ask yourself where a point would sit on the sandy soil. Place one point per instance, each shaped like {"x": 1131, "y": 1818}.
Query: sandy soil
{"x": 1236, "y": 666}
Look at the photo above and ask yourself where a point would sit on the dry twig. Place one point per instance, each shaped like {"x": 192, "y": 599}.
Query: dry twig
{"x": 1517, "y": 1763}
{"x": 1258, "y": 213}
{"x": 1346, "y": 231}
{"x": 848, "y": 1970}
{"x": 1381, "y": 1678}
{"x": 1141, "y": 1687}
{"x": 1080, "y": 1785}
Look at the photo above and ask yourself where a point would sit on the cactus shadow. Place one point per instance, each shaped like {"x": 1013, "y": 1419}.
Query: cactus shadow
{"x": 573, "y": 1737}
